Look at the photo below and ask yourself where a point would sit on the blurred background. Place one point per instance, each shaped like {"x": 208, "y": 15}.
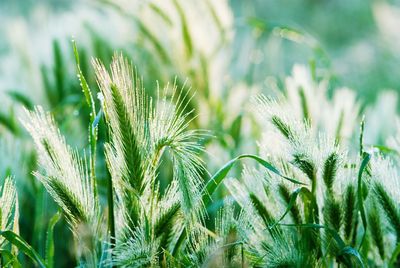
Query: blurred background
{"x": 225, "y": 51}
{"x": 357, "y": 41}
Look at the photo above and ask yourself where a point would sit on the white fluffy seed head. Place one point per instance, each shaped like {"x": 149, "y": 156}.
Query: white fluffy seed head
{"x": 62, "y": 171}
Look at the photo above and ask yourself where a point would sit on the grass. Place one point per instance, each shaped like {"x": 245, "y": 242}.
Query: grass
{"x": 333, "y": 199}
{"x": 140, "y": 185}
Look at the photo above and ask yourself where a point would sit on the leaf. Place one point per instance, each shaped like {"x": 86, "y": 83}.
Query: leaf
{"x": 185, "y": 30}
{"x": 219, "y": 176}
{"x": 23, "y": 246}
{"x": 385, "y": 149}
{"x": 21, "y": 98}
{"x": 9, "y": 260}
{"x": 304, "y": 105}
{"x": 162, "y": 53}
{"x": 285, "y": 195}
{"x": 50, "y": 240}
{"x": 161, "y": 13}
{"x": 59, "y": 71}
{"x": 85, "y": 87}
{"x": 351, "y": 251}
{"x": 235, "y": 129}
{"x": 292, "y": 202}
{"x": 8, "y": 121}
{"x": 360, "y": 198}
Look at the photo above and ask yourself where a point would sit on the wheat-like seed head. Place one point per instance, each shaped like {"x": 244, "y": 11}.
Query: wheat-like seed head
{"x": 8, "y": 207}
{"x": 141, "y": 130}
{"x": 386, "y": 173}
{"x": 63, "y": 172}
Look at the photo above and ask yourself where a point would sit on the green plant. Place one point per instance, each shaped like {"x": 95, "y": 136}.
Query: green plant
{"x": 315, "y": 202}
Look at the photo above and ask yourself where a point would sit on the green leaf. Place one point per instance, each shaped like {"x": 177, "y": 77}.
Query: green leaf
{"x": 161, "y": 13}
{"x": 285, "y": 194}
{"x": 9, "y": 122}
{"x": 84, "y": 85}
{"x": 235, "y": 128}
{"x": 21, "y": 98}
{"x": 293, "y": 197}
{"x": 219, "y": 176}
{"x": 352, "y": 252}
{"x": 59, "y": 71}
{"x": 162, "y": 53}
{"x": 360, "y": 198}
{"x": 9, "y": 260}
{"x": 23, "y": 246}
{"x": 304, "y": 105}
{"x": 385, "y": 149}
{"x": 185, "y": 30}
{"x": 50, "y": 240}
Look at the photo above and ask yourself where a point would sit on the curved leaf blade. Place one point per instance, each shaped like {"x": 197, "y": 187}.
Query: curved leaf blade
{"x": 22, "y": 245}
{"x": 220, "y": 175}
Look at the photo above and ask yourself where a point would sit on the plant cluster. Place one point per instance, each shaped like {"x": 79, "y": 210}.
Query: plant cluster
{"x": 313, "y": 202}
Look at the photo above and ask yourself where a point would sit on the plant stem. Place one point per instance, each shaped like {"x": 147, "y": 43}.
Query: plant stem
{"x": 111, "y": 222}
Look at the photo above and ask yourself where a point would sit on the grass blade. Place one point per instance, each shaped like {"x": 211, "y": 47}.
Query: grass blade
{"x": 219, "y": 176}
{"x": 50, "y": 240}
{"x": 22, "y": 245}
{"x": 293, "y": 197}
{"x": 360, "y": 198}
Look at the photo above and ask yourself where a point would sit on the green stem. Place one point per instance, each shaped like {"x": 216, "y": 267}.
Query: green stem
{"x": 111, "y": 221}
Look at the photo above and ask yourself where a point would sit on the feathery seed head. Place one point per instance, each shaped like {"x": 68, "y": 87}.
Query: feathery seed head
{"x": 63, "y": 172}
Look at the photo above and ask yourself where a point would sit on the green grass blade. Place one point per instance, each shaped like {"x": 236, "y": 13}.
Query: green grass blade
{"x": 161, "y": 13}
{"x": 21, "y": 98}
{"x": 50, "y": 240}
{"x": 185, "y": 30}
{"x": 220, "y": 175}
{"x": 84, "y": 85}
{"x": 9, "y": 260}
{"x": 360, "y": 198}
{"x": 293, "y": 197}
{"x": 285, "y": 195}
{"x": 236, "y": 129}
{"x": 8, "y": 121}
{"x": 23, "y": 246}
{"x": 59, "y": 71}
{"x": 304, "y": 105}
